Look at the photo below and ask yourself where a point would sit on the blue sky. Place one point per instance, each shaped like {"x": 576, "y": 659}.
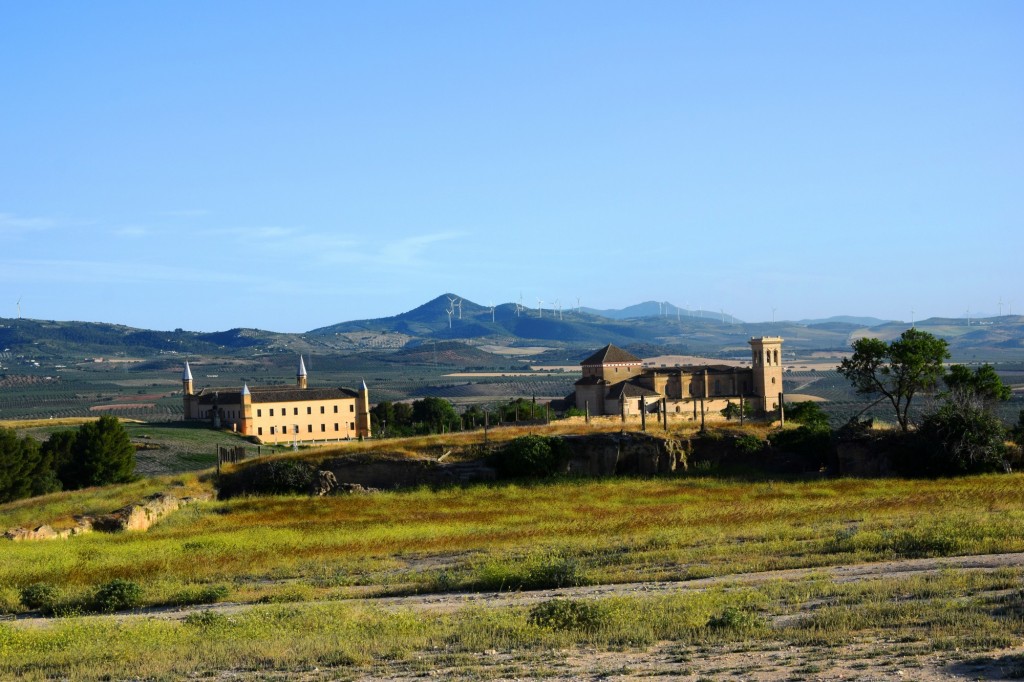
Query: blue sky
{"x": 292, "y": 165}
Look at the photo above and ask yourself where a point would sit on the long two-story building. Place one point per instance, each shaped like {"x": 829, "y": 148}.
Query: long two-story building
{"x": 282, "y": 414}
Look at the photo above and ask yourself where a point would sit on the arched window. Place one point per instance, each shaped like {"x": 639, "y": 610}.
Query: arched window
{"x": 776, "y": 357}
{"x": 767, "y": 357}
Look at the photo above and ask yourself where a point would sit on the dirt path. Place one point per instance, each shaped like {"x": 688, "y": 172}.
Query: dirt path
{"x": 451, "y": 601}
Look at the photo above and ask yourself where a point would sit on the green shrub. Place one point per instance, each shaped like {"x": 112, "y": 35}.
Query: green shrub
{"x": 736, "y": 619}
{"x": 750, "y": 444}
{"x": 275, "y": 477}
{"x": 530, "y": 456}
{"x": 40, "y": 597}
{"x": 206, "y": 620}
{"x": 117, "y": 595}
{"x": 532, "y": 572}
{"x": 569, "y": 614}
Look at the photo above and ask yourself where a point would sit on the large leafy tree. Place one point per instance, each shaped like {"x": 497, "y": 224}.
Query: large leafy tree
{"x": 964, "y": 435}
{"x": 898, "y": 370}
{"x": 434, "y": 415}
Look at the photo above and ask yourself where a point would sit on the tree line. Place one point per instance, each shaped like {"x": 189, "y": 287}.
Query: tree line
{"x": 437, "y": 415}
{"x": 963, "y": 434}
{"x": 97, "y": 453}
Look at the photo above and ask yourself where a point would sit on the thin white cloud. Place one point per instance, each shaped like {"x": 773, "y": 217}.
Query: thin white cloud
{"x": 131, "y": 231}
{"x": 110, "y": 272}
{"x": 12, "y": 223}
{"x": 408, "y": 251}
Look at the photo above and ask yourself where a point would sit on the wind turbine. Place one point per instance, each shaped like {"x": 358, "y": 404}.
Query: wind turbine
{"x": 577, "y": 305}
{"x": 491, "y": 304}
{"x": 450, "y": 310}
{"x": 912, "y": 318}
{"x": 540, "y": 308}
{"x": 557, "y": 304}
{"x": 968, "y": 316}
{"x": 773, "y": 315}
{"x": 460, "y": 308}
{"x": 19, "y": 307}
{"x": 1000, "y": 306}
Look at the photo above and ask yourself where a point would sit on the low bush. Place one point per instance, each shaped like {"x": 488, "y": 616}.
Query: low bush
{"x": 532, "y": 572}
{"x": 117, "y": 595}
{"x": 205, "y": 594}
{"x": 569, "y": 614}
{"x": 735, "y": 619}
{"x": 40, "y": 597}
{"x": 274, "y": 477}
{"x": 531, "y": 456}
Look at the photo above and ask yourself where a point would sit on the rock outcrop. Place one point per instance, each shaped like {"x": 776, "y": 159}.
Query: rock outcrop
{"x": 133, "y": 517}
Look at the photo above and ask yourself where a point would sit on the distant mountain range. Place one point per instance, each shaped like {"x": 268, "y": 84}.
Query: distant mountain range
{"x": 648, "y": 329}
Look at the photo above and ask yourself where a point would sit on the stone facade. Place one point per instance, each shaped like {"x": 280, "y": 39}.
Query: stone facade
{"x": 615, "y": 382}
{"x": 282, "y": 414}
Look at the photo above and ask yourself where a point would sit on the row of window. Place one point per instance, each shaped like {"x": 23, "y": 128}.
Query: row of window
{"x": 309, "y": 429}
{"x": 309, "y": 410}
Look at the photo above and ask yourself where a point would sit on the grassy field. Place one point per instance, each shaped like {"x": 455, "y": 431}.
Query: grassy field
{"x": 298, "y": 556}
{"x": 514, "y": 536}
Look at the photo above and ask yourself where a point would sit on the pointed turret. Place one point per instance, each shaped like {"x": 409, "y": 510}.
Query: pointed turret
{"x": 363, "y": 411}
{"x": 300, "y": 375}
{"x": 245, "y": 390}
{"x": 186, "y": 379}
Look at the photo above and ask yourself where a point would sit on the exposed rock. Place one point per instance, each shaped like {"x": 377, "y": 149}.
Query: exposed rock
{"x": 325, "y": 482}
{"x": 353, "y": 488}
{"x": 607, "y": 454}
{"x": 132, "y": 517}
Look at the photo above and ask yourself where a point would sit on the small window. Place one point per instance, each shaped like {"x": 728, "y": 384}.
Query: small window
{"x": 309, "y": 410}
{"x": 259, "y": 430}
{"x": 351, "y": 408}
{"x": 336, "y": 426}
{"x": 322, "y": 408}
{"x": 309, "y": 428}
{"x": 271, "y": 411}
{"x": 773, "y": 380}
{"x": 323, "y": 427}
{"x": 295, "y": 411}
{"x": 259, "y": 413}
{"x": 352, "y": 425}
{"x": 272, "y": 430}
{"x": 284, "y": 429}
{"x": 335, "y": 409}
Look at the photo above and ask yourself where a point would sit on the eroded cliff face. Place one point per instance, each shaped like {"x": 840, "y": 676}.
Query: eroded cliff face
{"x": 609, "y": 454}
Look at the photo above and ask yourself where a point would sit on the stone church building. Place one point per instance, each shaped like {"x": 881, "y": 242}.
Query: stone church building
{"x": 615, "y": 382}
{"x": 282, "y": 414}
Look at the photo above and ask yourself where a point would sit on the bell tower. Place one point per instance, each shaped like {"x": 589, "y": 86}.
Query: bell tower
{"x": 766, "y": 357}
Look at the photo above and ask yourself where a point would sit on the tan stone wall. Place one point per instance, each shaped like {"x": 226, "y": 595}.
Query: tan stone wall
{"x": 313, "y": 425}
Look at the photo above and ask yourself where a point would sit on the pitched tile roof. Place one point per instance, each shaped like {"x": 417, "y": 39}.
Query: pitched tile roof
{"x": 273, "y": 394}
{"x": 611, "y": 354}
{"x": 630, "y": 390}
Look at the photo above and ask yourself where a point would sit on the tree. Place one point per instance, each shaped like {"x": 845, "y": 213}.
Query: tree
{"x": 808, "y": 413}
{"x": 433, "y": 415}
{"x": 102, "y": 453}
{"x": 982, "y": 385}
{"x": 25, "y": 470}
{"x": 391, "y": 419}
{"x": 963, "y": 435}
{"x": 732, "y": 410}
{"x": 898, "y": 370}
